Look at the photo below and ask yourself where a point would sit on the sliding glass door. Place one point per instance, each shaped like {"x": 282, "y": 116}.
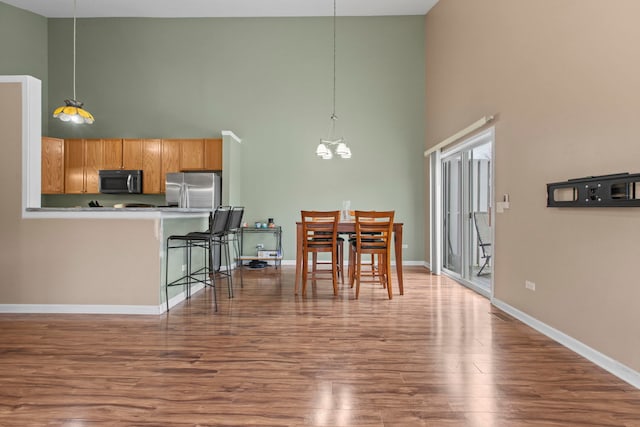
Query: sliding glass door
{"x": 466, "y": 212}
{"x": 452, "y": 220}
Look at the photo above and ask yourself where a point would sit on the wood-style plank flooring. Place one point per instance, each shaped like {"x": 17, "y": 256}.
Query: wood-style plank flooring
{"x": 440, "y": 355}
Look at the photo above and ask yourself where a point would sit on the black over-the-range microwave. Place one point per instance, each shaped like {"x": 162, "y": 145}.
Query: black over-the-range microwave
{"x": 120, "y": 181}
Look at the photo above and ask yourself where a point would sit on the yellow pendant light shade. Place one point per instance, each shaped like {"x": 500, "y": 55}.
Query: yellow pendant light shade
{"x": 72, "y": 111}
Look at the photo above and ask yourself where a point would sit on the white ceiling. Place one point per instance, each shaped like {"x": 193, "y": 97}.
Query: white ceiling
{"x": 222, "y": 8}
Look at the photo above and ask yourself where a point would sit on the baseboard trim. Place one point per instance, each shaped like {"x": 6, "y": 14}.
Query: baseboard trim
{"x": 80, "y": 309}
{"x": 605, "y": 362}
{"x": 177, "y": 299}
{"x": 96, "y": 308}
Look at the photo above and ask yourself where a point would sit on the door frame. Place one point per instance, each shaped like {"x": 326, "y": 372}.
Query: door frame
{"x": 436, "y": 205}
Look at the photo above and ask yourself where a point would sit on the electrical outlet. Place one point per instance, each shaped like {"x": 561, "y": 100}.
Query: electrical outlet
{"x": 259, "y": 246}
{"x": 529, "y": 285}
{"x": 405, "y": 246}
{"x": 184, "y": 267}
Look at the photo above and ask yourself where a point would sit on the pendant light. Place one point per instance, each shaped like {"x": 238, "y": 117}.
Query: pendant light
{"x": 333, "y": 142}
{"x": 72, "y": 111}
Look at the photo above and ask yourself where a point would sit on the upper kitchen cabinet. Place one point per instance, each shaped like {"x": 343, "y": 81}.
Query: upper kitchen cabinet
{"x": 170, "y": 159}
{"x": 146, "y": 155}
{"x": 74, "y": 176}
{"x": 83, "y": 159}
{"x": 213, "y": 154}
{"x": 52, "y": 166}
{"x": 112, "y": 154}
{"x": 190, "y": 155}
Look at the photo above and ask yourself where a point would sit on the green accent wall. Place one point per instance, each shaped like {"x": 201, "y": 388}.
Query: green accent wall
{"x": 23, "y": 48}
{"x": 269, "y": 80}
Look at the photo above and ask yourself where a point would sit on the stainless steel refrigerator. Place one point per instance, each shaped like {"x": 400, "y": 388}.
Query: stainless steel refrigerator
{"x": 194, "y": 189}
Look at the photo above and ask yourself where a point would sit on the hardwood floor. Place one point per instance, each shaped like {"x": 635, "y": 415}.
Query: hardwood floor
{"x": 438, "y": 356}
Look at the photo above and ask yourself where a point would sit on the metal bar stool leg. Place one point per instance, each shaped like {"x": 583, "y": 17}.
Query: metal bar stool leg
{"x": 212, "y": 275}
{"x": 228, "y": 262}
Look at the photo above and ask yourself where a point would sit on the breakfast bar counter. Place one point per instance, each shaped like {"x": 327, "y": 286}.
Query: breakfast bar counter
{"x": 99, "y": 260}
{"x": 115, "y": 213}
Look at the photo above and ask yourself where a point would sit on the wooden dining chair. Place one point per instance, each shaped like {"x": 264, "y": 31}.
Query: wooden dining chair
{"x": 319, "y": 234}
{"x": 315, "y": 262}
{"x": 373, "y": 236}
{"x": 370, "y": 264}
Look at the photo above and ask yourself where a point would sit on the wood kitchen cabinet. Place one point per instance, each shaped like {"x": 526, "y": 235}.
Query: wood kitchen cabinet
{"x": 52, "y": 166}
{"x": 84, "y": 158}
{"x": 146, "y": 155}
{"x": 190, "y": 155}
{"x": 170, "y": 159}
{"x": 213, "y": 154}
{"x": 74, "y": 177}
{"x": 112, "y": 156}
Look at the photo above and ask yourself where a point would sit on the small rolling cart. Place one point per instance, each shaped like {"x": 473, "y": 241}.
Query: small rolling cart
{"x": 262, "y": 254}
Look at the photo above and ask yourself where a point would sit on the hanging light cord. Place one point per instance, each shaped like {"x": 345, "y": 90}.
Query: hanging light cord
{"x": 333, "y": 115}
{"x": 332, "y": 142}
{"x": 74, "y": 50}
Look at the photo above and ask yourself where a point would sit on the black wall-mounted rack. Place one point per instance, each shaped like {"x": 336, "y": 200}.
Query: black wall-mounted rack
{"x": 615, "y": 190}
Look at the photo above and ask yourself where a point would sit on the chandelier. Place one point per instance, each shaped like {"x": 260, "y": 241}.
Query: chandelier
{"x": 72, "y": 111}
{"x": 333, "y": 144}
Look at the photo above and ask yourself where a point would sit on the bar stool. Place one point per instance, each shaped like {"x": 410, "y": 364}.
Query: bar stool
{"x": 205, "y": 240}
{"x": 216, "y": 242}
{"x": 231, "y": 235}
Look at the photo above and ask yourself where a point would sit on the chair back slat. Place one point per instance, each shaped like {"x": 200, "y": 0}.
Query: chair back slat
{"x": 373, "y": 229}
{"x": 320, "y": 228}
{"x": 320, "y": 234}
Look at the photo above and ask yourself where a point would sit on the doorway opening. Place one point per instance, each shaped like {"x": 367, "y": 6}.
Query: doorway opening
{"x": 466, "y": 227}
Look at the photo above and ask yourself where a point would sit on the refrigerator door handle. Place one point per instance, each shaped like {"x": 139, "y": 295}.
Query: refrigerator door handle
{"x": 184, "y": 196}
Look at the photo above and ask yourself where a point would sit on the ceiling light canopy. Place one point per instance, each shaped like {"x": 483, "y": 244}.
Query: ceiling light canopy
{"x": 72, "y": 111}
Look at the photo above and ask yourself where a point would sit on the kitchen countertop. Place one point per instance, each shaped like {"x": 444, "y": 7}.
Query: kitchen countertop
{"x": 114, "y": 213}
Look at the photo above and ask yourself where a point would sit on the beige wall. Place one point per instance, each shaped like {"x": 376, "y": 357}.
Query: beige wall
{"x": 563, "y": 77}
{"x": 47, "y": 261}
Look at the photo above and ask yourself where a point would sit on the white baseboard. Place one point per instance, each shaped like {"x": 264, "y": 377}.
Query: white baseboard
{"x": 411, "y": 263}
{"x": 81, "y": 309}
{"x": 177, "y": 299}
{"x": 96, "y": 308}
{"x": 605, "y": 362}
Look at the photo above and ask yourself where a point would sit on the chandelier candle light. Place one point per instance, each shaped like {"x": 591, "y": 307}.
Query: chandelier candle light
{"x": 332, "y": 141}
{"x": 72, "y": 111}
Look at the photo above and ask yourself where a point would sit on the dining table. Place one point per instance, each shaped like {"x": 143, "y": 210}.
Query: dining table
{"x": 349, "y": 227}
